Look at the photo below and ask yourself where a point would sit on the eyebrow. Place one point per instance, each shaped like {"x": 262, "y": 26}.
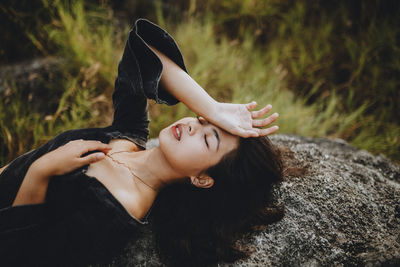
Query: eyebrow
{"x": 217, "y": 136}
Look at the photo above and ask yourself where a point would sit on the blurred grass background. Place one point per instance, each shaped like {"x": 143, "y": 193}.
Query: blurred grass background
{"x": 331, "y": 69}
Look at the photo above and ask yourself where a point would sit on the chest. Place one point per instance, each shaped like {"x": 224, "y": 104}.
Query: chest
{"x": 117, "y": 178}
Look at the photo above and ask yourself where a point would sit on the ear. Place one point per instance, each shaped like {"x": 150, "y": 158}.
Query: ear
{"x": 202, "y": 181}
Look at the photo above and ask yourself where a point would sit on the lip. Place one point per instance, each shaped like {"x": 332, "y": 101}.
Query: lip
{"x": 175, "y": 133}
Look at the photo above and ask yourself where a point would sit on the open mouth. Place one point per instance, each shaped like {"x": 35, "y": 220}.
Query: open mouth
{"x": 177, "y": 131}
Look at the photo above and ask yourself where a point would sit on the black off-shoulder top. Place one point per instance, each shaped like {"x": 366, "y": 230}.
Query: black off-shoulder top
{"x": 81, "y": 222}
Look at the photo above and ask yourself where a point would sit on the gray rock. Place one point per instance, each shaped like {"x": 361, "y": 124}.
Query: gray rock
{"x": 30, "y": 75}
{"x": 342, "y": 208}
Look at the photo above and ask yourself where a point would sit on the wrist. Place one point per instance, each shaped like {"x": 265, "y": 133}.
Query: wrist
{"x": 214, "y": 115}
{"x": 210, "y": 111}
{"x": 40, "y": 170}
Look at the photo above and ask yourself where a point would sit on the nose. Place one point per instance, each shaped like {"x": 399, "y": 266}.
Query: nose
{"x": 193, "y": 127}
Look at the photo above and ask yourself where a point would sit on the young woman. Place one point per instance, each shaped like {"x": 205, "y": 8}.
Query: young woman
{"x": 80, "y": 197}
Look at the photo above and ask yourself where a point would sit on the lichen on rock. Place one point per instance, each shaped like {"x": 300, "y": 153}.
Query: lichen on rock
{"x": 342, "y": 208}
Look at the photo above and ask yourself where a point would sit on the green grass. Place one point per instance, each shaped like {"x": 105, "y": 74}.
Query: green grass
{"x": 23, "y": 128}
{"x": 91, "y": 48}
{"x": 321, "y": 84}
{"x": 241, "y": 72}
{"x": 343, "y": 50}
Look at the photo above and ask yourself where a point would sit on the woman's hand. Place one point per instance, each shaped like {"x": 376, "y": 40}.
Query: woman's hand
{"x": 238, "y": 119}
{"x": 60, "y": 161}
{"x": 68, "y": 157}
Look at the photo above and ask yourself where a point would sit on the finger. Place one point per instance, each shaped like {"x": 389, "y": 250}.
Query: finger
{"x": 92, "y": 158}
{"x": 87, "y": 146}
{"x": 251, "y": 105}
{"x": 266, "y": 121}
{"x": 246, "y": 133}
{"x": 261, "y": 112}
{"x": 268, "y": 131}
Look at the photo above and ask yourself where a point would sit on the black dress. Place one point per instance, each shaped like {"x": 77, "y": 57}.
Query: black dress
{"x": 81, "y": 222}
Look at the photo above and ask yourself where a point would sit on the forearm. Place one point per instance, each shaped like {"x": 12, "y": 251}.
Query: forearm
{"x": 34, "y": 186}
{"x": 60, "y": 161}
{"x": 179, "y": 84}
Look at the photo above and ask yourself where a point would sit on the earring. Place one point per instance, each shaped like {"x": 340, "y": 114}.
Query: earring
{"x": 193, "y": 182}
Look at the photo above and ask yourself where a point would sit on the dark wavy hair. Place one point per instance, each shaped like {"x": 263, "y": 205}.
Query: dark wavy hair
{"x": 197, "y": 226}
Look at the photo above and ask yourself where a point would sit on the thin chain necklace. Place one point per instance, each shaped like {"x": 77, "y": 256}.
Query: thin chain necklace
{"x": 129, "y": 168}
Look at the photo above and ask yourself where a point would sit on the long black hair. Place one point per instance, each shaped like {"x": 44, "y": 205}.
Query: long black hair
{"x": 197, "y": 226}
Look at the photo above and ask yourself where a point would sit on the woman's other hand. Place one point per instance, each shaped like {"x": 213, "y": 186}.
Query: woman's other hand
{"x": 239, "y": 119}
{"x": 68, "y": 157}
{"x": 60, "y": 161}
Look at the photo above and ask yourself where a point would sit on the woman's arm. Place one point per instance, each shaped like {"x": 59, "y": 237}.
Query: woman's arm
{"x": 179, "y": 84}
{"x": 237, "y": 119}
{"x": 57, "y": 162}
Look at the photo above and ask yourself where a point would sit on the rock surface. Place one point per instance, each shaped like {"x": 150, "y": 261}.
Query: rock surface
{"x": 37, "y": 82}
{"x": 343, "y": 209}
{"x": 29, "y": 75}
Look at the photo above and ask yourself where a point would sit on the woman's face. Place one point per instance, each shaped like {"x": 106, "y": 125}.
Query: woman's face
{"x": 192, "y": 145}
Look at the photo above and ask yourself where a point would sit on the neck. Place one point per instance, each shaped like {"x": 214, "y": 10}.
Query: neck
{"x": 152, "y": 168}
